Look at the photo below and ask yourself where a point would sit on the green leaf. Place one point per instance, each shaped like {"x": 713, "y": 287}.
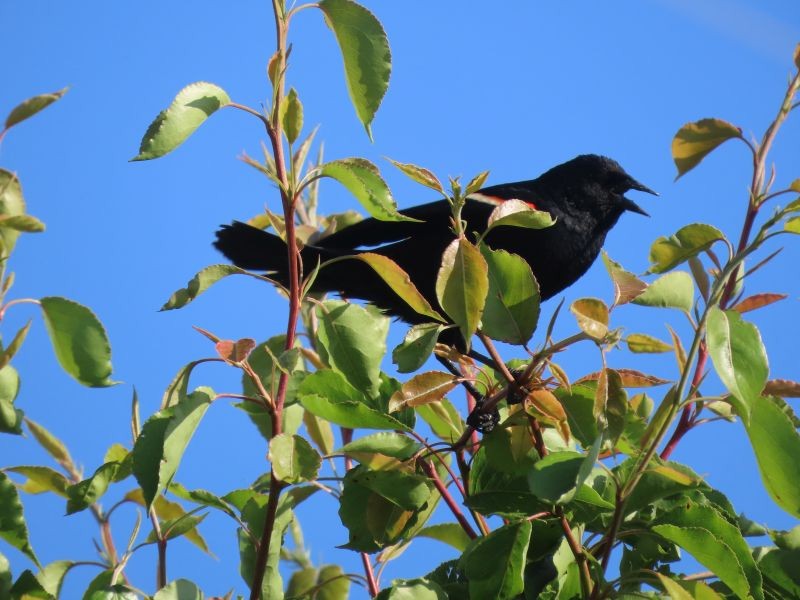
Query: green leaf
{"x": 22, "y": 223}
{"x": 199, "y": 284}
{"x": 420, "y": 175}
{"x": 391, "y": 444}
{"x": 776, "y": 445}
{"x": 626, "y": 285}
{"x": 792, "y": 225}
{"x": 476, "y": 182}
{"x": 643, "y": 343}
{"x": 79, "y": 340}
{"x": 52, "y": 576}
{"x": 253, "y": 514}
{"x": 12, "y": 520}
{"x": 397, "y": 279}
{"x": 190, "y": 108}
{"x": 11, "y": 350}
{"x": 444, "y": 419}
{"x": 673, "y": 588}
{"x": 739, "y": 358}
{"x": 31, "y": 106}
{"x": 557, "y": 476}
{"x": 11, "y": 418}
{"x": 668, "y": 252}
{"x": 160, "y": 446}
{"x": 41, "y": 479}
{"x": 27, "y": 587}
{"x": 782, "y": 568}
{"x": 85, "y": 493}
{"x": 328, "y": 395}
{"x": 261, "y": 360}
{"x": 332, "y": 584}
{"x": 516, "y": 213}
{"x": 716, "y": 544}
{"x": 11, "y": 204}
{"x": 696, "y": 140}
{"x": 592, "y": 316}
{"x": 174, "y": 528}
{"x": 171, "y": 515}
{"x": 293, "y": 459}
{"x": 364, "y": 181}
{"x": 404, "y": 490}
{"x": 673, "y": 290}
{"x": 511, "y": 312}
{"x": 421, "y": 389}
{"x": 416, "y": 347}
{"x": 320, "y": 432}
{"x": 180, "y": 589}
{"x": 413, "y": 589}
{"x": 52, "y": 445}
{"x": 366, "y": 55}
{"x": 451, "y": 534}
{"x": 495, "y": 564}
{"x": 372, "y": 521}
{"x": 201, "y": 497}
{"x": 462, "y": 285}
{"x": 292, "y": 116}
{"x": 353, "y": 342}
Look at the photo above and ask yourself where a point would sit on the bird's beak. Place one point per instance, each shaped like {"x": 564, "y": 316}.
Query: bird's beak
{"x": 630, "y": 204}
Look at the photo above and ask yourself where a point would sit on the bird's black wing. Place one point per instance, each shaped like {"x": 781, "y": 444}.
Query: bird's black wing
{"x": 432, "y": 217}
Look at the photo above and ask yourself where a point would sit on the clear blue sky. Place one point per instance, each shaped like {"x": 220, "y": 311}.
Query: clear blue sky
{"x": 514, "y": 89}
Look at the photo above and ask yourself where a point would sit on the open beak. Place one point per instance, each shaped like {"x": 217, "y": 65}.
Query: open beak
{"x": 630, "y": 204}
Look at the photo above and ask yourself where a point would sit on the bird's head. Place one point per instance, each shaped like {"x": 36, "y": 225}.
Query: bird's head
{"x": 597, "y": 186}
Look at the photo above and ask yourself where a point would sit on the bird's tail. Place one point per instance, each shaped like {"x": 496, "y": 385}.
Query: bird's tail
{"x": 257, "y": 250}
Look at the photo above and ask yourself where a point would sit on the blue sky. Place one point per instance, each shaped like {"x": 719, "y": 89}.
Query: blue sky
{"x": 514, "y": 89}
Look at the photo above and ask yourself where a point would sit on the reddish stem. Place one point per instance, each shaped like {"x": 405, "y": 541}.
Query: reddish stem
{"x": 430, "y": 471}
{"x": 689, "y": 414}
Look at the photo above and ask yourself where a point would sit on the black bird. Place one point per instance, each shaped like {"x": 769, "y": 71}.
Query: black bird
{"x": 585, "y": 196}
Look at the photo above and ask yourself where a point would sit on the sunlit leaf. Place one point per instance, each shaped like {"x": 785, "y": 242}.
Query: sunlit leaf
{"x": 673, "y": 290}
{"x": 79, "y": 340}
{"x": 626, "y": 285}
{"x": 12, "y": 520}
{"x": 199, "y": 284}
{"x": 462, "y": 285}
{"x": 159, "y": 448}
{"x": 511, "y": 312}
{"x": 31, "y": 106}
{"x": 739, "y": 358}
{"x": 292, "y": 116}
{"x": 180, "y": 589}
{"x": 190, "y": 108}
{"x": 592, "y": 316}
{"x": 366, "y": 55}
{"x": 776, "y": 444}
{"x": 364, "y": 181}
{"x": 668, "y": 252}
{"x": 695, "y": 140}
{"x": 328, "y": 395}
{"x": 416, "y": 347}
{"x": 419, "y": 174}
{"x": 352, "y": 341}
{"x": 293, "y": 459}
{"x": 715, "y": 543}
{"x": 397, "y": 279}
{"x": 516, "y": 213}
{"x": 422, "y": 389}
{"x": 12, "y": 204}
{"x": 640, "y": 342}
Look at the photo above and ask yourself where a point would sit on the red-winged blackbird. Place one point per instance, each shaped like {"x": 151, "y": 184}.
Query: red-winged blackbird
{"x": 585, "y": 196}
